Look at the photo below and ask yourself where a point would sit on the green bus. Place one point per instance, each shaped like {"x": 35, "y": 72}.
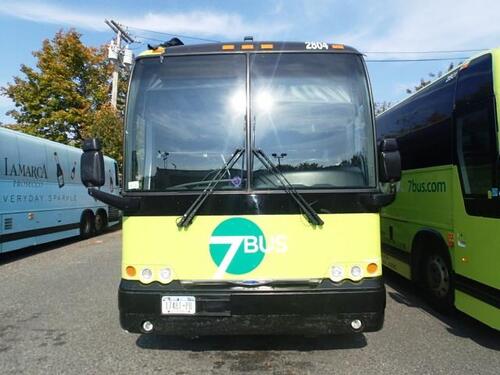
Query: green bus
{"x": 443, "y": 230}
{"x": 251, "y": 191}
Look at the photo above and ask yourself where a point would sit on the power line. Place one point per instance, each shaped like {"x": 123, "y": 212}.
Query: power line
{"x": 370, "y": 61}
{"x": 173, "y": 35}
{"x": 364, "y": 52}
{"x": 417, "y": 60}
{"x": 144, "y": 37}
{"x": 426, "y": 52}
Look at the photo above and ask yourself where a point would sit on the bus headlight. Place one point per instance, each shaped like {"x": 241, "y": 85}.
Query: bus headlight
{"x": 147, "y": 274}
{"x": 356, "y": 272}
{"x": 336, "y": 273}
{"x": 165, "y": 275}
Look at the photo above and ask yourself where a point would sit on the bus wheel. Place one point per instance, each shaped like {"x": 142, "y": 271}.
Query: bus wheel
{"x": 87, "y": 225}
{"x": 438, "y": 282}
{"x": 100, "y": 222}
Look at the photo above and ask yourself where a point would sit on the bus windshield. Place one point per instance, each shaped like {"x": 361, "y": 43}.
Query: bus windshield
{"x": 180, "y": 127}
{"x": 310, "y": 114}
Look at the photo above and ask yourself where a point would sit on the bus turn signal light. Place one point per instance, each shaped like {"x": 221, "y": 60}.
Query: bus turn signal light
{"x": 372, "y": 268}
{"x": 130, "y": 271}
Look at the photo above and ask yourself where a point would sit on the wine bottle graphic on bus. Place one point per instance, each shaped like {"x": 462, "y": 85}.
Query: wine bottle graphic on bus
{"x": 73, "y": 171}
{"x": 111, "y": 186}
{"x": 60, "y": 174}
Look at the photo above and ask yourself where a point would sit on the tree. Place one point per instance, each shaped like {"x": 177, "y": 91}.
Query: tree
{"x": 106, "y": 125}
{"x": 424, "y": 82}
{"x": 65, "y": 98}
{"x": 381, "y": 107}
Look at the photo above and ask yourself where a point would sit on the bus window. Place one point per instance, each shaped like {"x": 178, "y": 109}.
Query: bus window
{"x": 186, "y": 123}
{"x": 117, "y": 178}
{"x": 475, "y": 82}
{"x": 476, "y": 151}
{"x": 312, "y": 116}
{"x": 475, "y": 131}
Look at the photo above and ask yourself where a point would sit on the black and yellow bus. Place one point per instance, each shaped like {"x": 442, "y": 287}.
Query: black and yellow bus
{"x": 442, "y": 231}
{"x": 251, "y": 201}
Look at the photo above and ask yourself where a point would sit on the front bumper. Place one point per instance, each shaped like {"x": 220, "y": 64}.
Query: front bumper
{"x": 324, "y": 308}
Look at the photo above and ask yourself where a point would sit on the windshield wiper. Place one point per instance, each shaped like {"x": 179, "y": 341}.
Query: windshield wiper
{"x": 311, "y": 215}
{"x": 186, "y": 219}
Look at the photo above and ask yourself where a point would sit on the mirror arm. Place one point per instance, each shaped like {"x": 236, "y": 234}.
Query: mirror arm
{"x": 122, "y": 203}
{"x": 378, "y": 200}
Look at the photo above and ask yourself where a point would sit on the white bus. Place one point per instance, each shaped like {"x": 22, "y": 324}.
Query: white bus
{"x": 42, "y": 198}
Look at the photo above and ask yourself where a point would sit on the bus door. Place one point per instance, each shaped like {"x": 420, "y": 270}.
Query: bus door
{"x": 477, "y": 200}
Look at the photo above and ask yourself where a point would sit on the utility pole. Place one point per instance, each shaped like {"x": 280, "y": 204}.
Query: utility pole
{"x": 116, "y": 69}
{"x": 279, "y": 157}
{"x": 119, "y": 55}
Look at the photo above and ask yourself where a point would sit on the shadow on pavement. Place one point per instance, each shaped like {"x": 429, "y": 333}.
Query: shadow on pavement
{"x": 458, "y": 323}
{"x": 13, "y": 256}
{"x": 252, "y": 343}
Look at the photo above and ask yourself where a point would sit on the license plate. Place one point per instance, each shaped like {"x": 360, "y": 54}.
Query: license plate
{"x": 178, "y": 305}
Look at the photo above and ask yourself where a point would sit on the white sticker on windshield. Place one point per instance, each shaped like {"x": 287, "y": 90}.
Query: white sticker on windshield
{"x": 133, "y": 185}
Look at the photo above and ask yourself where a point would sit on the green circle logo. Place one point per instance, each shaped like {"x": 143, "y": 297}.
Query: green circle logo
{"x": 237, "y": 246}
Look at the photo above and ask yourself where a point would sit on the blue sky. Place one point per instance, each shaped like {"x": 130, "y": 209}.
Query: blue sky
{"x": 378, "y": 25}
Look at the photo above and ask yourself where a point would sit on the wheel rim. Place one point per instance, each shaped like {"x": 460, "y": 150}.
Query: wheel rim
{"x": 438, "y": 276}
{"x": 87, "y": 226}
{"x": 99, "y": 222}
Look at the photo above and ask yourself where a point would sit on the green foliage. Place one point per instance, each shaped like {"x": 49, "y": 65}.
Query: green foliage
{"x": 107, "y": 125}
{"x": 381, "y": 107}
{"x": 65, "y": 98}
{"x": 424, "y": 82}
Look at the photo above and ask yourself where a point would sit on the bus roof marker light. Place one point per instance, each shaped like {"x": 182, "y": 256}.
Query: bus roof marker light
{"x": 247, "y": 46}
{"x": 338, "y": 46}
{"x": 228, "y": 47}
{"x": 266, "y": 46}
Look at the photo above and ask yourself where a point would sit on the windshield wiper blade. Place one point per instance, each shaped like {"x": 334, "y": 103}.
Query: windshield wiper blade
{"x": 311, "y": 215}
{"x": 186, "y": 219}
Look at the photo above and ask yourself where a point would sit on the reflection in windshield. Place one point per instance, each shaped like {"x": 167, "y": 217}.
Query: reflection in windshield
{"x": 187, "y": 118}
{"x": 311, "y": 113}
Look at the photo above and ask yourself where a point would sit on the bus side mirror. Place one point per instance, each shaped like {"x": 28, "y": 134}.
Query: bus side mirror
{"x": 92, "y": 163}
{"x": 389, "y": 161}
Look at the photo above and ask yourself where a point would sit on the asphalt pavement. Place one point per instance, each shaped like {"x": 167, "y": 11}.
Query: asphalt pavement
{"x": 58, "y": 315}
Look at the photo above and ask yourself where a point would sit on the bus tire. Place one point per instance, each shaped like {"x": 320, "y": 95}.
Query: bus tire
{"x": 100, "y": 221}
{"x": 438, "y": 280}
{"x": 87, "y": 225}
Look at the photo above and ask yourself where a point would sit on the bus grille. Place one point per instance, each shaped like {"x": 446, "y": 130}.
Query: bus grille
{"x": 7, "y": 223}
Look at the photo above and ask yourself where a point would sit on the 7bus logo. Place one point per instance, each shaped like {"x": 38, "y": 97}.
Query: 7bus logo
{"x": 238, "y": 246}
{"x": 426, "y": 187}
